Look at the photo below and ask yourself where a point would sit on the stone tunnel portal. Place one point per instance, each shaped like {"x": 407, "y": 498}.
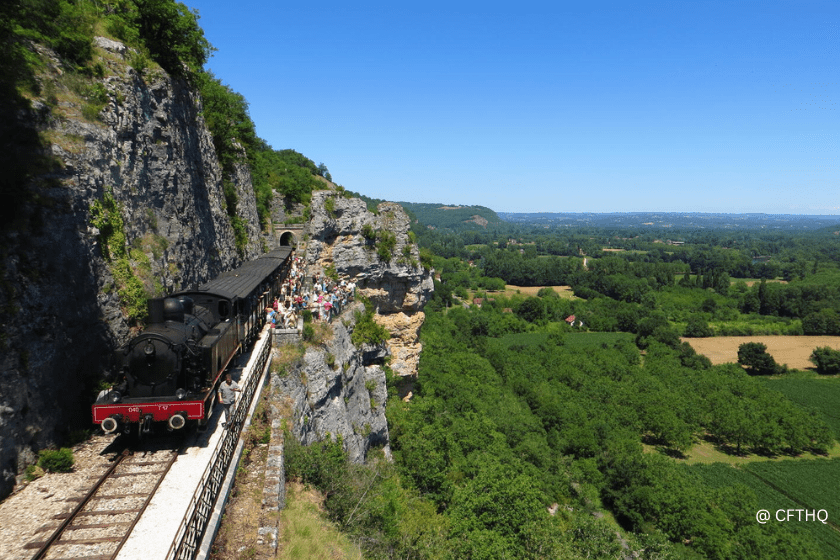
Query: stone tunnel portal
{"x": 287, "y": 239}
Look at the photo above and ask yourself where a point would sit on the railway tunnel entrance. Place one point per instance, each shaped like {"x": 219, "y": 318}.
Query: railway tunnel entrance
{"x": 288, "y": 234}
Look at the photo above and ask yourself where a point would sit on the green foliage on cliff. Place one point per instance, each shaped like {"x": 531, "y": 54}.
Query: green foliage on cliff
{"x": 368, "y": 331}
{"x": 171, "y": 32}
{"x": 63, "y": 25}
{"x": 286, "y": 172}
{"x": 385, "y": 243}
{"x": 165, "y": 30}
{"x": 106, "y": 216}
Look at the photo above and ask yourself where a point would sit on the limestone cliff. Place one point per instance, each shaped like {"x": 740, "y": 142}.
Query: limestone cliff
{"x": 61, "y": 306}
{"x": 375, "y": 251}
{"x": 336, "y": 390}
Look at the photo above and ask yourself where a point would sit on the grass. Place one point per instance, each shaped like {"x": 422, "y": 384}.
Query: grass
{"x": 707, "y": 453}
{"x": 587, "y": 339}
{"x": 306, "y": 533}
{"x": 786, "y": 485}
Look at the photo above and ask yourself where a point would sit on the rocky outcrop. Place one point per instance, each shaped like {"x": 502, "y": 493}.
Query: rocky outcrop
{"x": 336, "y": 391}
{"x": 345, "y": 236}
{"x": 60, "y": 307}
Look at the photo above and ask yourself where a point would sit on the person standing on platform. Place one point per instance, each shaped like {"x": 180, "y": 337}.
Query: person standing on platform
{"x": 227, "y": 388}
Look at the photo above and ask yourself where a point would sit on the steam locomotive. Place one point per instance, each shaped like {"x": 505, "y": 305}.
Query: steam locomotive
{"x": 170, "y": 372}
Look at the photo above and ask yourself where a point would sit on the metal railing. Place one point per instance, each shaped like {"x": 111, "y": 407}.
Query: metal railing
{"x": 194, "y": 524}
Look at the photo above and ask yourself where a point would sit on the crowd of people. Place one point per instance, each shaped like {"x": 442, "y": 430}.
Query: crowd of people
{"x": 323, "y": 297}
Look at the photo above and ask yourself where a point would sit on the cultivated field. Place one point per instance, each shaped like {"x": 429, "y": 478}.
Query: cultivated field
{"x": 563, "y": 291}
{"x": 791, "y": 350}
{"x": 787, "y": 485}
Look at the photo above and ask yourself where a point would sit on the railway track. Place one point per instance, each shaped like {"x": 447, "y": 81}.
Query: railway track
{"x": 100, "y": 524}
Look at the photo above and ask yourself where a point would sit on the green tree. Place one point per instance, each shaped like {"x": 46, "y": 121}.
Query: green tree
{"x": 826, "y": 359}
{"x": 697, "y": 327}
{"x": 532, "y": 310}
{"x": 173, "y": 36}
{"x": 754, "y": 356}
{"x": 494, "y": 513}
{"x": 824, "y": 321}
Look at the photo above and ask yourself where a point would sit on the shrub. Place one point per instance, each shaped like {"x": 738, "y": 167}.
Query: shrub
{"x": 368, "y": 232}
{"x": 331, "y": 273}
{"x": 754, "y": 356}
{"x": 60, "y": 460}
{"x": 33, "y": 472}
{"x": 426, "y": 258}
{"x": 385, "y": 243}
{"x": 308, "y": 331}
{"x": 106, "y": 216}
{"x": 318, "y": 464}
{"x": 329, "y": 206}
{"x": 826, "y": 359}
{"x": 368, "y": 331}
{"x": 697, "y": 327}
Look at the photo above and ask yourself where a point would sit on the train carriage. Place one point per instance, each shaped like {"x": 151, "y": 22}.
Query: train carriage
{"x": 169, "y": 372}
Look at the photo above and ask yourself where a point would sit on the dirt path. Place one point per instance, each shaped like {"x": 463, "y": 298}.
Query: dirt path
{"x": 791, "y": 350}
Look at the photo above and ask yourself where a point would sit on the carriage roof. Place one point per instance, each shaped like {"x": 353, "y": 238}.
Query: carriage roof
{"x": 241, "y": 282}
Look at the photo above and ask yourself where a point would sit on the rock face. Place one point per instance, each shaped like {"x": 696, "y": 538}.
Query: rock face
{"x": 336, "y": 391}
{"x": 339, "y": 389}
{"x": 344, "y": 235}
{"x": 60, "y": 310}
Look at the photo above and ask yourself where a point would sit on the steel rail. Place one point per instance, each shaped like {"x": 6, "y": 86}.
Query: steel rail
{"x": 148, "y": 499}
{"x": 75, "y": 513}
{"x": 78, "y": 511}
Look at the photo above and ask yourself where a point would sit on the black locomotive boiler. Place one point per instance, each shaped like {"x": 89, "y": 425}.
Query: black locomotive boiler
{"x": 170, "y": 371}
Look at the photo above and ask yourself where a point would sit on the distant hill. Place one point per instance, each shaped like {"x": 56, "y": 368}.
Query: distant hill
{"x": 679, "y": 220}
{"x": 442, "y": 216}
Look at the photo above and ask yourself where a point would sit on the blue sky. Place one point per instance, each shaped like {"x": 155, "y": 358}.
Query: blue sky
{"x": 585, "y": 106}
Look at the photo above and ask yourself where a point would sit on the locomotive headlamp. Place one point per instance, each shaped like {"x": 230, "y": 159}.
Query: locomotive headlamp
{"x": 180, "y": 394}
{"x": 149, "y": 349}
{"x": 115, "y": 396}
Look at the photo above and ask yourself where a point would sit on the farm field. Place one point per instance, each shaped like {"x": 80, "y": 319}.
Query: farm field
{"x": 820, "y": 393}
{"x": 753, "y": 281}
{"x": 786, "y": 485}
{"x": 563, "y": 291}
{"x": 791, "y": 350}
